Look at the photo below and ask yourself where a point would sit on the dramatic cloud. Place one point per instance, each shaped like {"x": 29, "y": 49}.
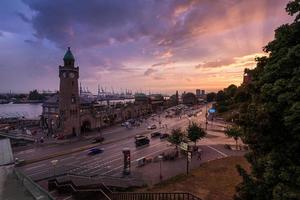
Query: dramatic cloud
{"x": 217, "y": 63}
{"x": 134, "y": 44}
{"x": 149, "y": 71}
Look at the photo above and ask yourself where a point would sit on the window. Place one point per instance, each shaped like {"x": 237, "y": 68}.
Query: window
{"x": 73, "y": 100}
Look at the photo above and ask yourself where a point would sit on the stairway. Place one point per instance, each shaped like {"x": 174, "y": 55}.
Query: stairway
{"x": 108, "y": 188}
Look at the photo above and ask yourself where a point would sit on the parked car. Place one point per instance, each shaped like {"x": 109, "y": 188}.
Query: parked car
{"x": 152, "y": 127}
{"x": 95, "y": 151}
{"x": 155, "y": 134}
{"x": 60, "y": 137}
{"x": 98, "y": 139}
{"x": 163, "y": 136}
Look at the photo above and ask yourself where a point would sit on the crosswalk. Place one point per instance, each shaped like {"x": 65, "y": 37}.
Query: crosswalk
{"x": 108, "y": 163}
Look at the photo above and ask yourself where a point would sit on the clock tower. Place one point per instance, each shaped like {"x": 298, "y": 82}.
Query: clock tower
{"x": 69, "y": 96}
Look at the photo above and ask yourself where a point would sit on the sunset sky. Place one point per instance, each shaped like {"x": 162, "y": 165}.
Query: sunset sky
{"x": 157, "y": 46}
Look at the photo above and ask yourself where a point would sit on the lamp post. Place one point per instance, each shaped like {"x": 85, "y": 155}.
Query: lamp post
{"x": 160, "y": 157}
{"x": 54, "y": 162}
{"x": 206, "y": 116}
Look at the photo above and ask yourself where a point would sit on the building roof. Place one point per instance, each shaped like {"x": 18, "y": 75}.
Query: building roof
{"x": 52, "y": 100}
{"x": 69, "y": 55}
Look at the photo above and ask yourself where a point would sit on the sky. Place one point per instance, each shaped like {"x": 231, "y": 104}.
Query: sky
{"x": 143, "y": 45}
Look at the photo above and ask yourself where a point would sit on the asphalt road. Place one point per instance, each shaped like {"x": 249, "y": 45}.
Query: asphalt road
{"x": 110, "y": 162}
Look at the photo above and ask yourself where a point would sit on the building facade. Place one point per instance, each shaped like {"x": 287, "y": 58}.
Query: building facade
{"x": 69, "y": 114}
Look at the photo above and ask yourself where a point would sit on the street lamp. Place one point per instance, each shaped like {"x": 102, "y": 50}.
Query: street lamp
{"x": 206, "y": 122}
{"x": 54, "y": 162}
{"x": 160, "y": 157}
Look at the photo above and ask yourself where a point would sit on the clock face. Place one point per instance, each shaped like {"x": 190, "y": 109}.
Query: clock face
{"x": 72, "y": 75}
{"x": 64, "y": 74}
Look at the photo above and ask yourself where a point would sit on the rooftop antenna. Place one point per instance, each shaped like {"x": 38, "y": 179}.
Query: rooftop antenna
{"x": 80, "y": 91}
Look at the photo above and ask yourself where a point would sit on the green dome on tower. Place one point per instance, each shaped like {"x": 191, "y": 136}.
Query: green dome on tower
{"x": 69, "y": 55}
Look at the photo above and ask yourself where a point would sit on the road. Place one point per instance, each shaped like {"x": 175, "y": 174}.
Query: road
{"x": 110, "y": 162}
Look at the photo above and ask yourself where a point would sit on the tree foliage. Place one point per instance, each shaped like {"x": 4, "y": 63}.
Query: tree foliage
{"x": 211, "y": 96}
{"x": 234, "y": 132}
{"x": 195, "y": 132}
{"x": 176, "y": 136}
{"x": 35, "y": 95}
{"x": 271, "y": 119}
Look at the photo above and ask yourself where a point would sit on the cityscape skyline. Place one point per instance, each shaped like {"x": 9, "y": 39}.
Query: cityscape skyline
{"x": 157, "y": 47}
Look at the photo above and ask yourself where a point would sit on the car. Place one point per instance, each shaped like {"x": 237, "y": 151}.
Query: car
{"x": 163, "y": 136}
{"x": 138, "y": 136}
{"x": 142, "y": 140}
{"x": 98, "y": 139}
{"x": 95, "y": 151}
{"x": 60, "y": 137}
{"x": 155, "y": 134}
{"x": 152, "y": 127}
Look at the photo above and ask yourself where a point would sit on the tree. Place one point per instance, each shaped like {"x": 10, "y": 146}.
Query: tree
{"x": 35, "y": 95}
{"x": 195, "y": 132}
{"x": 271, "y": 119}
{"x": 234, "y": 132}
{"x": 176, "y": 137}
{"x": 230, "y": 90}
{"x": 211, "y": 96}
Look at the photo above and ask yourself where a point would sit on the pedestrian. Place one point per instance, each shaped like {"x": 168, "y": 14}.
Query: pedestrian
{"x": 199, "y": 153}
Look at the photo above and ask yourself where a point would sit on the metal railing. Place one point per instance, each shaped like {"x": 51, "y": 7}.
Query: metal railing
{"x": 107, "y": 194}
{"x": 35, "y": 190}
{"x": 153, "y": 196}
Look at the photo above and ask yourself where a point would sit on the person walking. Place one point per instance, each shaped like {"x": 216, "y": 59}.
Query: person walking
{"x": 199, "y": 153}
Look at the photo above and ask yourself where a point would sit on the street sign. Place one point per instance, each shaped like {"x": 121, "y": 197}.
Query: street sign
{"x": 211, "y": 110}
{"x": 183, "y": 146}
{"x": 189, "y": 156}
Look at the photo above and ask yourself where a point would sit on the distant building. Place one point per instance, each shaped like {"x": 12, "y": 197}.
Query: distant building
{"x": 189, "y": 99}
{"x": 198, "y": 92}
{"x": 72, "y": 113}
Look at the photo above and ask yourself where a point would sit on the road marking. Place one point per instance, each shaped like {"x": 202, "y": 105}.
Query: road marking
{"x": 67, "y": 158}
{"x": 25, "y": 152}
{"x": 223, "y": 154}
{"x": 34, "y": 167}
{"x": 68, "y": 197}
{"x": 135, "y": 160}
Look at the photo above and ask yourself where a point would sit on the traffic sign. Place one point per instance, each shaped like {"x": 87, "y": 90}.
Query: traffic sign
{"x": 189, "y": 156}
{"x": 183, "y": 146}
{"x": 211, "y": 110}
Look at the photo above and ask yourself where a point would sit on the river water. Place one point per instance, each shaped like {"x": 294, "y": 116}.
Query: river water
{"x": 29, "y": 111}
{"x": 32, "y": 111}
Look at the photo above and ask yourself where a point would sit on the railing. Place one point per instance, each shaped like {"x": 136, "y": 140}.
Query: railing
{"x": 80, "y": 193}
{"x": 17, "y": 136}
{"x": 35, "y": 190}
{"x": 153, "y": 196}
{"x": 107, "y": 194}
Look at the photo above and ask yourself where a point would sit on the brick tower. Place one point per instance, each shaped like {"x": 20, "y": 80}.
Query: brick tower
{"x": 69, "y": 96}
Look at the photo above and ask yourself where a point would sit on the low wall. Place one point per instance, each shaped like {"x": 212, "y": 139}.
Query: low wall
{"x": 35, "y": 190}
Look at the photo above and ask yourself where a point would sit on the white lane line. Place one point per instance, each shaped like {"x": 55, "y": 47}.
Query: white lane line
{"x": 68, "y": 197}
{"x": 34, "y": 167}
{"x": 67, "y": 158}
{"x": 24, "y": 152}
{"x": 91, "y": 163}
{"x": 223, "y": 154}
{"x": 134, "y": 161}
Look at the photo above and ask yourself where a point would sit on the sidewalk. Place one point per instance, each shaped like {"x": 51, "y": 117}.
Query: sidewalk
{"x": 10, "y": 187}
